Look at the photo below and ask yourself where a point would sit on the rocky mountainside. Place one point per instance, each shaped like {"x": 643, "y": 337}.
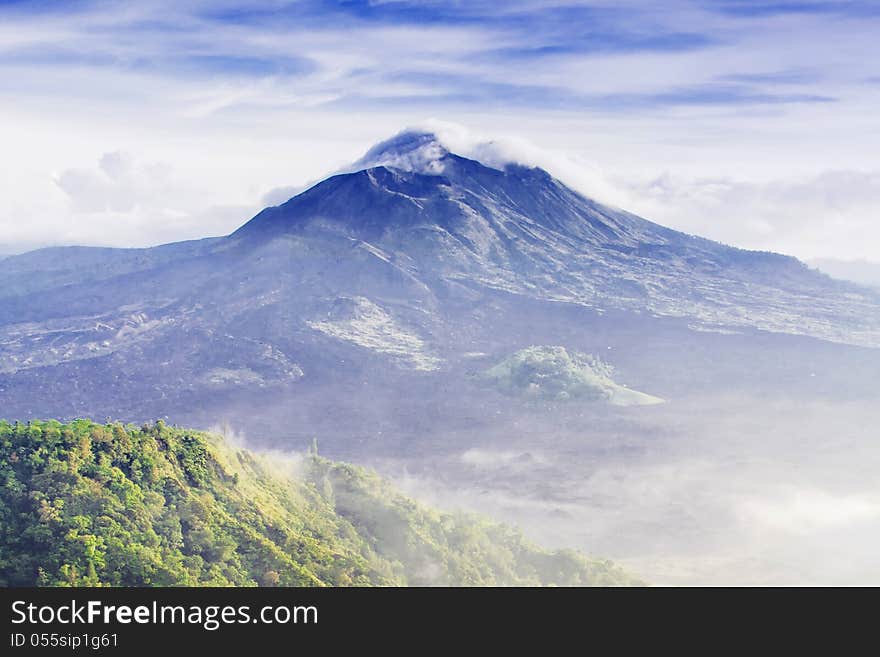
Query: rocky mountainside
{"x": 407, "y": 273}
{"x": 438, "y": 219}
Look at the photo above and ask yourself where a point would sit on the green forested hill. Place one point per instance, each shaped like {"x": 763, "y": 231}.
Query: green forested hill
{"x": 90, "y": 504}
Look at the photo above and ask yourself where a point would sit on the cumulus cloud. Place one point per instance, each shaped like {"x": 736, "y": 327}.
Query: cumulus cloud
{"x": 411, "y": 150}
{"x": 116, "y": 184}
{"x": 832, "y": 212}
{"x": 118, "y": 201}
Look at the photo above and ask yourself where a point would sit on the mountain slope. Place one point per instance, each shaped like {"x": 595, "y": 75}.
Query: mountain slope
{"x": 520, "y": 230}
{"x": 389, "y": 278}
{"x": 89, "y": 504}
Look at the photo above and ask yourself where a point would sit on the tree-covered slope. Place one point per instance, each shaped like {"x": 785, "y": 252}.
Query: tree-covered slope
{"x": 554, "y": 373}
{"x": 90, "y": 504}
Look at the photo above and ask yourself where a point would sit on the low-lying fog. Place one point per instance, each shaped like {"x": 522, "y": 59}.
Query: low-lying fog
{"x": 719, "y": 490}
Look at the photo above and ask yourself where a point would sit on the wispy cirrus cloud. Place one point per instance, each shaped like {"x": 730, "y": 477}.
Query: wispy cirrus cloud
{"x": 805, "y": 216}
{"x": 762, "y": 8}
{"x": 358, "y": 49}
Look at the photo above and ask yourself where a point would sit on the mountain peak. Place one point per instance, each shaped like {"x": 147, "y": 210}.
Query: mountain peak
{"x": 411, "y": 150}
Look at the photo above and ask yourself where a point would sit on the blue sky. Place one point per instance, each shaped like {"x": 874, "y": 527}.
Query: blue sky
{"x": 750, "y": 122}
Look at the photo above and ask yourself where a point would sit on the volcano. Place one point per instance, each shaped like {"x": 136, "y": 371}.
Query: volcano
{"x": 409, "y": 274}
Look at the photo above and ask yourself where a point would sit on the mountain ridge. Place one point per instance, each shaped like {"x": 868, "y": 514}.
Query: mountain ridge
{"x": 85, "y": 504}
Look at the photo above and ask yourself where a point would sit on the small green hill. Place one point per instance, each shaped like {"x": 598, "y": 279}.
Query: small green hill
{"x": 90, "y": 504}
{"x": 557, "y": 374}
